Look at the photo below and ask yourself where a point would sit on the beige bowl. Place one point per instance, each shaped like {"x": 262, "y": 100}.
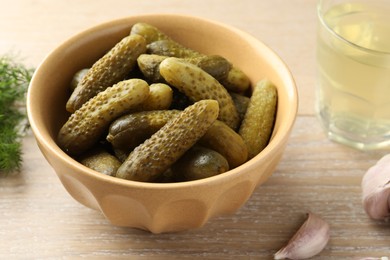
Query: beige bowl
{"x": 151, "y": 206}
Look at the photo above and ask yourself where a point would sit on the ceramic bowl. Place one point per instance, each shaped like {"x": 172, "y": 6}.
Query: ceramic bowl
{"x": 164, "y": 207}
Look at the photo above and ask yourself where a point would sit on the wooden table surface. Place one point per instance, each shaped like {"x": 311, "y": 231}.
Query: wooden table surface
{"x": 39, "y": 219}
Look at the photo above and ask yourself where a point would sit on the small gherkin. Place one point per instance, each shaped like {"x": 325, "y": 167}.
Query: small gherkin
{"x": 130, "y": 130}
{"x": 257, "y": 125}
{"x": 100, "y": 160}
{"x": 86, "y": 126}
{"x": 215, "y": 65}
{"x": 149, "y": 32}
{"x": 197, "y": 85}
{"x": 153, "y": 157}
{"x": 199, "y": 163}
{"x": 161, "y": 44}
{"x": 113, "y": 67}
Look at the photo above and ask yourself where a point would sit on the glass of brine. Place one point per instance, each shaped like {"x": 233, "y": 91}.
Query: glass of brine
{"x": 353, "y": 55}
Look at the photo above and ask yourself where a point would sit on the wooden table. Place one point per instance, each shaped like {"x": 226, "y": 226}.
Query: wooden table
{"x": 38, "y": 219}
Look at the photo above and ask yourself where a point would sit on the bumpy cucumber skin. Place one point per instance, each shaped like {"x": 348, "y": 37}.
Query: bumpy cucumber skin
{"x": 129, "y": 131}
{"x": 85, "y": 127}
{"x": 258, "y": 123}
{"x": 149, "y": 32}
{"x": 224, "y": 140}
{"x": 236, "y": 81}
{"x": 198, "y": 85}
{"x": 161, "y": 44}
{"x": 149, "y": 66}
{"x": 233, "y": 80}
{"x": 153, "y": 157}
{"x": 215, "y": 65}
{"x": 101, "y": 161}
{"x": 199, "y": 163}
{"x": 78, "y": 76}
{"x": 113, "y": 67}
{"x": 171, "y": 48}
{"x": 160, "y": 97}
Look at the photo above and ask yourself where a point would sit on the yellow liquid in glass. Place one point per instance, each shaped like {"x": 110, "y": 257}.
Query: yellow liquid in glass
{"x": 354, "y": 75}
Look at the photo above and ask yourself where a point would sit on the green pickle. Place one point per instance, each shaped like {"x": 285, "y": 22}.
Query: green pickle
{"x": 198, "y": 85}
{"x": 129, "y": 131}
{"x": 236, "y": 81}
{"x": 199, "y": 163}
{"x": 160, "y": 97}
{"x": 215, "y": 65}
{"x": 224, "y": 140}
{"x": 100, "y": 160}
{"x": 157, "y": 154}
{"x": 77, "y": 78}
{"x": 258, "y": 123}
{"x": 149, "y": 32}
{"x": 171, "y": 48}
{"x": 86, "y": 126}
{"x": 161, "y": 44}
{"x": 113, "y": 67}
{"x": 149, "y": 66}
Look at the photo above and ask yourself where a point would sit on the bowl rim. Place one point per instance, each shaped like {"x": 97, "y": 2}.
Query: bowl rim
{"x": 274, "y": 144}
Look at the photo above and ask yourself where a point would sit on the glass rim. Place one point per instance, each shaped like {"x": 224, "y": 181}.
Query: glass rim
{"x": 320, "y": 12}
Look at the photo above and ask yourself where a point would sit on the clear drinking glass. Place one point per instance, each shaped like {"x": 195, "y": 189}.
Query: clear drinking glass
{"x": 353, "y": 54}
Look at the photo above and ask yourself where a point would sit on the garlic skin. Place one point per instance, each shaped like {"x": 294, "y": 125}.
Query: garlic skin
{"x": 376, "y": 189}
{"x": 308, "y": 241}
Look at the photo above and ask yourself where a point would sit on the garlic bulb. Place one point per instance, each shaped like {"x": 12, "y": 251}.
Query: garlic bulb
{"x": 310, "y": 239}
{"x": 376, "y": 189}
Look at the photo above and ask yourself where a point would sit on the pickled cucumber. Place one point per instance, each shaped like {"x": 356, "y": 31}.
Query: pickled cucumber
{"x": 129, "y": 131}
{"x": 197, "y": 85}
{"x": 149, "y": 66}
{"x": 215, "y": 65}
{"x": 199, "y": 163}
{"x": 78, "y": 76}
{"x": 171, "y": 48}
{"x": 161, "y": 44}
{"x": 236, "y": 81}
{"x": 153, "y": 157}
{"x": 108, "y": 70}
{"x": 224, "y": 140}
{"x": 160, "y": 97}
{"x": 149, "y": 32}
{"x": 86, "y": 126}
{"x": 100, "y": 160}
{"x": 257, "y": 126}
{"x": 233, "y": 80}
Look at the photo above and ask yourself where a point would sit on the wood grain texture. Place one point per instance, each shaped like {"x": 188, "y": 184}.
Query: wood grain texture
{"x": 38, "y": 219}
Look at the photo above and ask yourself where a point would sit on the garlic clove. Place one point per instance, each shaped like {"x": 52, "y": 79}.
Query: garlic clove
{"x": 376, "y": 189}
{"x": 310, "y": 239}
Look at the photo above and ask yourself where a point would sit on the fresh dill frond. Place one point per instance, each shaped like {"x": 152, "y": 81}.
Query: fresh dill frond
{"x": 14, "y": 80}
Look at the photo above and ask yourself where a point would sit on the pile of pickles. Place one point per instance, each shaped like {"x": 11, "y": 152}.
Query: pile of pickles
{"x": 153, "y": 110}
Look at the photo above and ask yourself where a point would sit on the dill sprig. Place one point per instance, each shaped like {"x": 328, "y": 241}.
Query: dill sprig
{"x": 14, "y": 80}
